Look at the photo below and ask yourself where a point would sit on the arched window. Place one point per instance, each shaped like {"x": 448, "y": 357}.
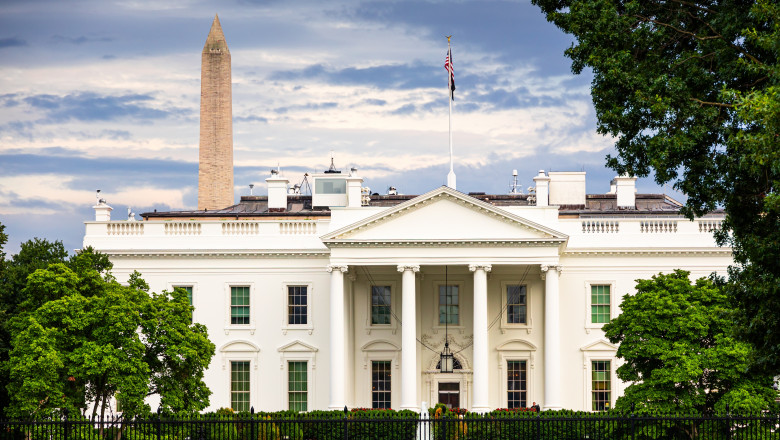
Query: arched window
{"x": 455, "y": 364}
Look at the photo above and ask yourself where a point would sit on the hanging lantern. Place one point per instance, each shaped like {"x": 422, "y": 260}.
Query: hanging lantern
{"x": 447, "y": 359}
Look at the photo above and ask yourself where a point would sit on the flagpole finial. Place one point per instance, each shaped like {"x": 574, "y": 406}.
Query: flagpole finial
{"x": 448, "y": 38}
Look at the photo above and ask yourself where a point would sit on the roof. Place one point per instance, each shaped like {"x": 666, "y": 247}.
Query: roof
{"x": 300, "y": 206}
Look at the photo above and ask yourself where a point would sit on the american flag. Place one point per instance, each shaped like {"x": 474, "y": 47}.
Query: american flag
{"x": 451, "y": 70}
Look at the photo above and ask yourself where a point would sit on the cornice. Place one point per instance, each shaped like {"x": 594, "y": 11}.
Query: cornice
{"x": 536, "y": 242}
{"x": 647, "y": 251}
{"x": 219, "y": 253}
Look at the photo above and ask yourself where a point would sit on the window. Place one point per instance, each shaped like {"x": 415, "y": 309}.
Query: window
{"x": 297, "y": 385}
{"x": 516, "y": 304}
{"x": 239, "y": 385}
{"x": 239, "y": 305}
{"x": 297, "y": 305}
{"x": 599, "y": 304}
{"x": 516, "y": 384}
{"x": 448, "y": 305}
{"x": 330, "y": 186}
{"x": 380, "y": 384}
{"x": 600, "y": 385}
{"x": 380, "y": 305}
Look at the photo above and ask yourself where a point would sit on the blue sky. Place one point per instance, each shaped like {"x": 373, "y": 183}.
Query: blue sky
{"x": 105, "y": 94}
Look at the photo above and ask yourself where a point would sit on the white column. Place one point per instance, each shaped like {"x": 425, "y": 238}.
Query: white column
{"x": 552, "y": 337}
{"x": 409, "y": 376}
{"x": 480, "y": 402}
{"x": 337, "y": 352}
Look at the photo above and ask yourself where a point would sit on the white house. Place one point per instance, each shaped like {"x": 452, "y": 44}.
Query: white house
{"x": 344, "y": 298}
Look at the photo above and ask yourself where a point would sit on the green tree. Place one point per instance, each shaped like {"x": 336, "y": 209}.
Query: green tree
{"x": 81, "y": 338}
{"x": 34, "y": 254}
{"x": 680, "y": 356}
{"x": 690, "y": 91}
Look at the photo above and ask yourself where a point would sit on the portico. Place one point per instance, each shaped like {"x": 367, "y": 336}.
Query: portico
{"x": 475, "y": 242}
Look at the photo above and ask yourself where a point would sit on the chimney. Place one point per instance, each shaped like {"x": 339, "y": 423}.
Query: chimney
{"x": 102, "y": 211}
{"x": 542, "y": 189}
{"x": 354, "y": 195}
{"x": 277, "y": 192}
{"x": 625, "y": 188}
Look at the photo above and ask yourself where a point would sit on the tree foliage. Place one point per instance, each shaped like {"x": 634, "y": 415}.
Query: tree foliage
{"x": 680, "y": 356}
{"x": 690, "y": 89}
{"x": 34, "y": 254}
{"x": 81, "y": 338}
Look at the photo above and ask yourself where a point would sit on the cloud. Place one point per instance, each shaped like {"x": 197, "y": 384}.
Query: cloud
{"x": 392, "y": 76}
{"x": 12, "y": 42}
{"x": 90, "y": 106}
{"x": 309, "y": 106}
{"x": 251, "y": 118}
{"x": 80, "y": 40}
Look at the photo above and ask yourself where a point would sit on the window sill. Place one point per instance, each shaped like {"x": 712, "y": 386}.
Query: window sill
{"x": 234, "y": 327}
{"x": 293, "y": 327}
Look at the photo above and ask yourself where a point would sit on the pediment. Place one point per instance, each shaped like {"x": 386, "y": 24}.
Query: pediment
{"x": 516, "y": 345}
{"x": 239, "y": 347}
{"x": 600, "y": 345}
{"x": 444, "y": 215}
{"x": 380, "y": 345}
{"x": 297, "y": 347}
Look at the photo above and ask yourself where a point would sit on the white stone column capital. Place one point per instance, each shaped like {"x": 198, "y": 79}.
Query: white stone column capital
{"x": 476, "y": 267}
{"x": 557, "y": 268}
{"x": 413, "y": 267}
{"x": 343, "y": 268}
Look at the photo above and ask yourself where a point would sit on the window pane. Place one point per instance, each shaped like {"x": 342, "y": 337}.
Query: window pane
{"x": 330, "y": 186}
{"x": 380, "y": 384}
{"x": 297, "y": 305}
{"x": 515, "y": 305}
{"x": 600, "y": 304}
{"x": 380, "y": 305}
{"x": 239, "y": 385}
{"x": 239, "y": 305}
{"x": 516, "y": 384}
{"x": 449, "y": 308}
{"x": 601, "y": 385}
{"x": 297, "y": 385}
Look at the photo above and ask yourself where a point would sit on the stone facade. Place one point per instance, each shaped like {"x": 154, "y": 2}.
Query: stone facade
{"x": 215, "y": 171}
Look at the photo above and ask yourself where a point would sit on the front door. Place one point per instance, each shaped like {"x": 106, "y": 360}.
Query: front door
{"x": 449, "y": 394}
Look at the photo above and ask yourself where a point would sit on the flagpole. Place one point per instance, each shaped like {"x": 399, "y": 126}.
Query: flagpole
{"x": 451, "y": 175}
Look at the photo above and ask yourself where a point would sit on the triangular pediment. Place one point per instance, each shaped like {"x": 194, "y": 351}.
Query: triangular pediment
{"x": 444, "y": 215}
{"x": 297, "y": 346}
{"x": 600, "y": 345}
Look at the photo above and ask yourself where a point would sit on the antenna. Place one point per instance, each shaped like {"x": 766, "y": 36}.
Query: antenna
{"x": 514, "y": 188}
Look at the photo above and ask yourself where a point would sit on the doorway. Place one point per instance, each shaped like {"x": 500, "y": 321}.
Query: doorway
{"x": 449, "y": 394}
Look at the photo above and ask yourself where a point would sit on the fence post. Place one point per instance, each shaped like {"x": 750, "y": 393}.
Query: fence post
{"x": 345, "y": 436}
{"x": 159, "y": 422}
{"x": 728, "y": 422}
{"x": 252, "y": 424}
{"x": 538, "y": 425}
{"x": 67, "y": 424}
{"x": 633, "y": 422}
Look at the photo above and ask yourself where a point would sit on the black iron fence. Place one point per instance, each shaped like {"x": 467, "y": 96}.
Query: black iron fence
{"x": 392, "y": 426}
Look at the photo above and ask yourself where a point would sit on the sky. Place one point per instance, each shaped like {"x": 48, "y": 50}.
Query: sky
{"x": 106, "y": 94}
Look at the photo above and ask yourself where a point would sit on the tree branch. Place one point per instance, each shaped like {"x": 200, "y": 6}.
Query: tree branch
{"x": 716, "y": 104}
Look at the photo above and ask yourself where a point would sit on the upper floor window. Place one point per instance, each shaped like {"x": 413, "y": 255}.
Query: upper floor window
{"x": 516, "y": 305}
{"x": 239, "y": 305}
{"x": 297, "y": 305}
{"x": 449, "y": 305}
{"x": 380, "y": 305}
{"x": 599, "y": 304}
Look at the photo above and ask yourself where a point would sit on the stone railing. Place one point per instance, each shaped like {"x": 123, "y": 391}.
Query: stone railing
{"x": 658, "y": 226}
{"x": 240, "y": 228}
{"x": 125, "y": 228}
{"x": 298, "y": 228}
{"x": 710, "y": 225}
{"x": 600, "y": 226}
{"x": 183, "y": 228}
